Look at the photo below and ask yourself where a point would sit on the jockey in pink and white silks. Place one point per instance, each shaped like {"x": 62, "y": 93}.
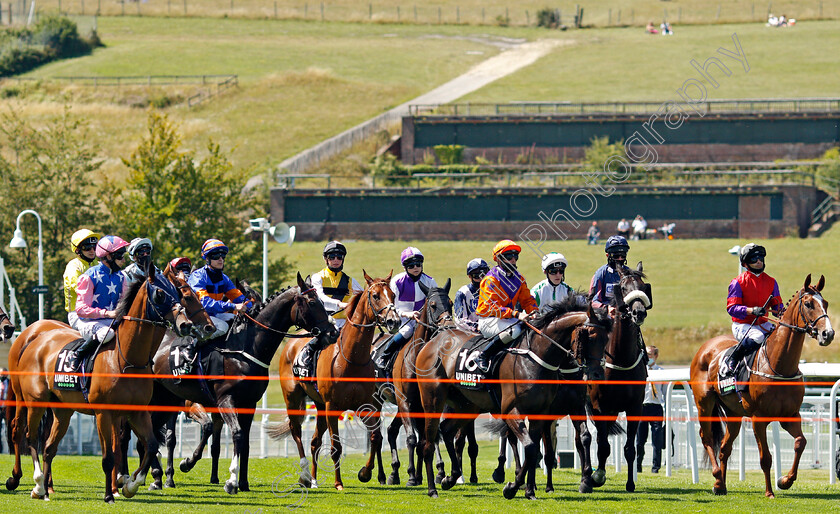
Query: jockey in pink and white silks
{"x": 98, "y": 291}
{"x": 409, "y": 299}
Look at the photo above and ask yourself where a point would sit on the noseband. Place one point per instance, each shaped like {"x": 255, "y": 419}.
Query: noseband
{"x": 810, "y": 327}
{"x": 378, "y": 319}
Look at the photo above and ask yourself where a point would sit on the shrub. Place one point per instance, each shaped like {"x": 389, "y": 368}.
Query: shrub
{"x": 548, "y": 18}
{"x": 449, "y": 154}
{"x": 53, "y": 37}
{"x": 60, "y": 36}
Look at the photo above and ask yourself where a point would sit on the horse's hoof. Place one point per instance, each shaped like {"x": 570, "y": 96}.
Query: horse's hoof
{"x": 130, "y": 489}
{"x": 12, "y": 483}
{"x": 719, "y": 491}
{"x": 585, "y": 488}
{"x": 381, "y": 479}
{"x": 783, "y": 483}
{"x": 214, "y": 480}
{"x": 549, "y": 489}
{"x": 244, "y": 487}
{"x": 630, "y": 487}
{"x": 36, "y": 496}
{"x": 109, "y": 499}
{"x": 510, "y": 491}
{"x": 529, "y": 495}
{"x": 447, "y": 483}
{"x": 413, "y": 482}
{"x": 599, "y": 478}
{"x": 474, "y": 479}
{"x": 155, "y": 487}
{"x": 230, "y": 488}
{"x": 460, "y": 480}
{"x": 499, "y": 475}
{"x": 339, "y": 487}
{"x": 769, "y": 494}
{"x": 433, "y": 493}
{"x": 313, "y": 484}
{"x": 393, "y": 479}
{"x": 169, "y": 484}
{"x": 185, "y": 466}
{"x": 365, "y": 475}
{"x": 120, "y": 480}
{"x": 439, "y": 479}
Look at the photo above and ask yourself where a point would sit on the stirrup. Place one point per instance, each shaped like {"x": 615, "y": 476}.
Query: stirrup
{"x": 483, "y": 364}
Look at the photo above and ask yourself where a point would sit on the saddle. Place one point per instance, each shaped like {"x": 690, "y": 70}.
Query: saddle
{"x": 737, "y": 382}
{"x": 68, "y": 367}
{"x": 381, "y": 369}
{"x": 304, "y": 365}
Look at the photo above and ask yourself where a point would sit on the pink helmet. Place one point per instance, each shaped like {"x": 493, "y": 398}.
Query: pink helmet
{"x": 108, "y": 245}
{"x": 409, "y": 254}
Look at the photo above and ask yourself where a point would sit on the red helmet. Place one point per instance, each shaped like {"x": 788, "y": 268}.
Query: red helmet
{"x": 505, "y": 245}
{"x": 181, "y": 264}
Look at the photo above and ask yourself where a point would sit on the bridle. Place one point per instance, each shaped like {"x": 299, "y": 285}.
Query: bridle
{"x": 435, "y": 323}
{"x": 378, "y": 319}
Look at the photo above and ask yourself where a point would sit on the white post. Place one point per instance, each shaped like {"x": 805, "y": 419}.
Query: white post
{"x": 669, "y": 405}
{"x": 263, "y": 435}
{"x": 742, "y": 455}
{"x": 777, "y": 452}
{"x": 691, "y": 440}
{"x": 265, "y": 264}
{"x": 832, "y": 431}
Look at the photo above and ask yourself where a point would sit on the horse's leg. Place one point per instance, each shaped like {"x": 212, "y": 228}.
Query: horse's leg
{"x": 121, "y": 455}
{"x": 169, "y": 439}
{"x": 411, "y": 444}
{"x": 794, "y": 428}
{"x": 536, "y": 430}
{"x": 296, "y": 406}
{"x": 371, "y": 420}
{"x": 583, "y": 442}
{"x": 17, "y": 427}
{"x": 315, "y": 445}
{"x": 448, "y": 431}
{"x": 599, "y": 476}
{"x": 431, "y": 429}
{"x": 245, "y": 421}
{"x": 141, "y": 423}
{"x": 517, "y": 427}
{"x": 335, "y": 447}
{"x": 472, "y": 451}
{"x": 416, "y": 441}
{"x": 60, "y": 424}
{"x": 34, "y": 415}
{"x": 499, "y": 472}
{"x": 460, "y": 443}
{"x": 630, "y": 447}
{"x": 514, "y": 445}
{"x": 216, "y": 448}
{"x": 159, "y": 420}
{"x": 549, "y": 459}
{"x": 228, "y": 411}
{"x": 765, "y": 457}
{"x": 393, "y": 433}
{"x": 104, "y": 425}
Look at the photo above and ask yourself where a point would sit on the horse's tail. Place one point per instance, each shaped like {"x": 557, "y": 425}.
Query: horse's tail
{"x": 613, "y": 428}
{"x": 496, "y": 426}
{"x": 279, "y": 430}
{"x": 9, "y": 414}
{"x": 718, "y": 431}
{"x": 44, "y": 429}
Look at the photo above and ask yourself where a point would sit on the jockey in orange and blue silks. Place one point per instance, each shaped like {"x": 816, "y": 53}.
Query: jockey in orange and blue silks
{"x": 501, "y": 291}
{"x": 750, "y": 293}
{"x": 83, "y": 243}
{"x": 219, "y": 296}
{"x": 98, "y": 291}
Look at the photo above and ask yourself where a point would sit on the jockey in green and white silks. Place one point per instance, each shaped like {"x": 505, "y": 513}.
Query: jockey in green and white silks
{"x": 553, "y": 289}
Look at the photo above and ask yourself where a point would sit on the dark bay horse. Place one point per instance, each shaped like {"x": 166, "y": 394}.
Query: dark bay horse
{"x": 625, "y": 354}
{"x": 253, "y": 341}
{"x": 535, "y": 358}
{"x": 775, "y": 391}
{"x": 337, "y": 391}
{"x": 139, "y": 327}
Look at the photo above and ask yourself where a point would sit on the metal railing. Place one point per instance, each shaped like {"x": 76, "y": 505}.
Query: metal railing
{"x": 14, "y": 312}
{"x": 754, "y": 105}
{"x": 135, "y": 80}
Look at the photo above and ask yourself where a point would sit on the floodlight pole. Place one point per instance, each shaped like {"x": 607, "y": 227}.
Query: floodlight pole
{"x": 19, "y": 242}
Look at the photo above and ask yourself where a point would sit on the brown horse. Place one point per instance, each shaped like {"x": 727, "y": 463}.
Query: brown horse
{"x": 349, "y": 358}
{"x": 139, "y": 328}
{"x": 625, "y": 353}
{"x": 528, "y": 372}
{"x": 775, "y": 364}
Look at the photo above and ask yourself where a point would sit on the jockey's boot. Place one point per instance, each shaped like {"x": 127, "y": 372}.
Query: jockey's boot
{"x": 308, "y": 354}
{"x": 743, "y": 348}
{"x": 489, "y": 350}
{"x": 392, "y": 347}
{"x": 88, "y": 346}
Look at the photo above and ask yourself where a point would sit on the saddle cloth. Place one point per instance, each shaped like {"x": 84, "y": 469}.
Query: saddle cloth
{"x": 67, "y": 365}
{"x": 739, "y": 381}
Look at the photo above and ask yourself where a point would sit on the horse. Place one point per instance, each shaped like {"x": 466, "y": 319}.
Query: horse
{"x": 549, "y": 345}
{"x": 776, "y": 363}
{"x": 253, "y": 340}
{"x": 625, "y": 355}
{"x": 348, "y": 358}
{"x": 436, "y": 311}
{"x": 139, "y": 323}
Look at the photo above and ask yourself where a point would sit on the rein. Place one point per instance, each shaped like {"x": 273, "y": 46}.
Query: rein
{"x": 315, "y": 332}
{"x": 377, "y": 322}
{"x": 552, "y": 341}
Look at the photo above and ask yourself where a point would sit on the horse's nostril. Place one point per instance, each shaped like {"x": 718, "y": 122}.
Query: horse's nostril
{"x": 209, "y": 329}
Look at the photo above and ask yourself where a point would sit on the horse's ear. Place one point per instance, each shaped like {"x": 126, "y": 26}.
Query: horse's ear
{"x": 301, "y": 283}
{"x": 367, "y": 277}
{"x": 391, "y": 274}
{"x": 150, "y": 271}
{"x": 821, "y": 283}
{"x": 639, "y": 267}
{"x": 423, "y": 287}
{"x": 807, "y": 281}
{"x": 447, "y": 286}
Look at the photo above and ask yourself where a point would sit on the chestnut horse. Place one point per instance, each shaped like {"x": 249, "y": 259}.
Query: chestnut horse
{"x": 528, "y": 373}
{"x": 348, "y": 358}
{"x": 251, "y": 344}
{"x": 625, "y": 355}
{"x": 139, "y": 327}
{"x": 776, "y": 364}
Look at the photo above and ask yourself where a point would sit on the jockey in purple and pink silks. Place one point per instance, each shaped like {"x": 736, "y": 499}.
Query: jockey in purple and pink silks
{"x": 749, "y": 292}
{"x": 409, "y": 299}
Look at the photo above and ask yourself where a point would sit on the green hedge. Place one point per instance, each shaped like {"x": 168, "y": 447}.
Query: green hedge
{"x": 51, "y": 38}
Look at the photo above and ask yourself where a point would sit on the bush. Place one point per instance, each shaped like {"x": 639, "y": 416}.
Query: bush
{"x": 60, "y": 36}
{"x": 548, "y": 18}
{"x": 449, "y": 154}
{"x": 16, "y": 58}
{"x": 53, "y": 37}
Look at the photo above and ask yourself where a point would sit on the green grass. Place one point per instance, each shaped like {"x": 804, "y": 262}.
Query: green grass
{"x": 80, "y": 487}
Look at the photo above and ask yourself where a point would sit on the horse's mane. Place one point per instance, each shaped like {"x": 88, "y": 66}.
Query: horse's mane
{"x": 259, "y": 307}
{"x": 351, "y": 305}
{"x": 554, "y": 310}
{"x": 634, "y": 273}
{"x": 128, "y": 298}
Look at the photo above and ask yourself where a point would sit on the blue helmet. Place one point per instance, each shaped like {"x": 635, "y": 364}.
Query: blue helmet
{"x": 477, "y": 265}
{"x": 617, "y": 244}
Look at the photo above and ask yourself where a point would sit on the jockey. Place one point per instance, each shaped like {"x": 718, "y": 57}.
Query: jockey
{"x": 140, "y": 251}
{"x": 182, "y": 264}
{"x": 97, "y": 293}
{"x": 500, "y": 292}
{"x": 746, "y": 303}
{"x": 334, "y": 289}
{"x": 607, "y": 278}
{"x": 466, "y": 299}
{"x": 553, "y": 288}
{"x": 219, "y": 296}
{"x": 83, "y": 243}
{"x": 409, "y": 299}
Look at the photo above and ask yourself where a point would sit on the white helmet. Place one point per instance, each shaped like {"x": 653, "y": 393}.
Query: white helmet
{"x": 135, "y": 245}
{"x": 553, "y": 258}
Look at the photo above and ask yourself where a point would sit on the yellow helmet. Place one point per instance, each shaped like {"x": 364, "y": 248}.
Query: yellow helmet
{"x": 504, "y": 246}
{"x": 80, "y": 236}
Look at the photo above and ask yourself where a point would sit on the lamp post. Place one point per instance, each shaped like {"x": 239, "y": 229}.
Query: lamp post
{"x": 18, "y": 242}
{"x": 281, "y": 233}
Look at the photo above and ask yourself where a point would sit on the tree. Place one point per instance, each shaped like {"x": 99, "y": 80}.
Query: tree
{"x": 50, "y": 169}
{"x": 179, "y": 201}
